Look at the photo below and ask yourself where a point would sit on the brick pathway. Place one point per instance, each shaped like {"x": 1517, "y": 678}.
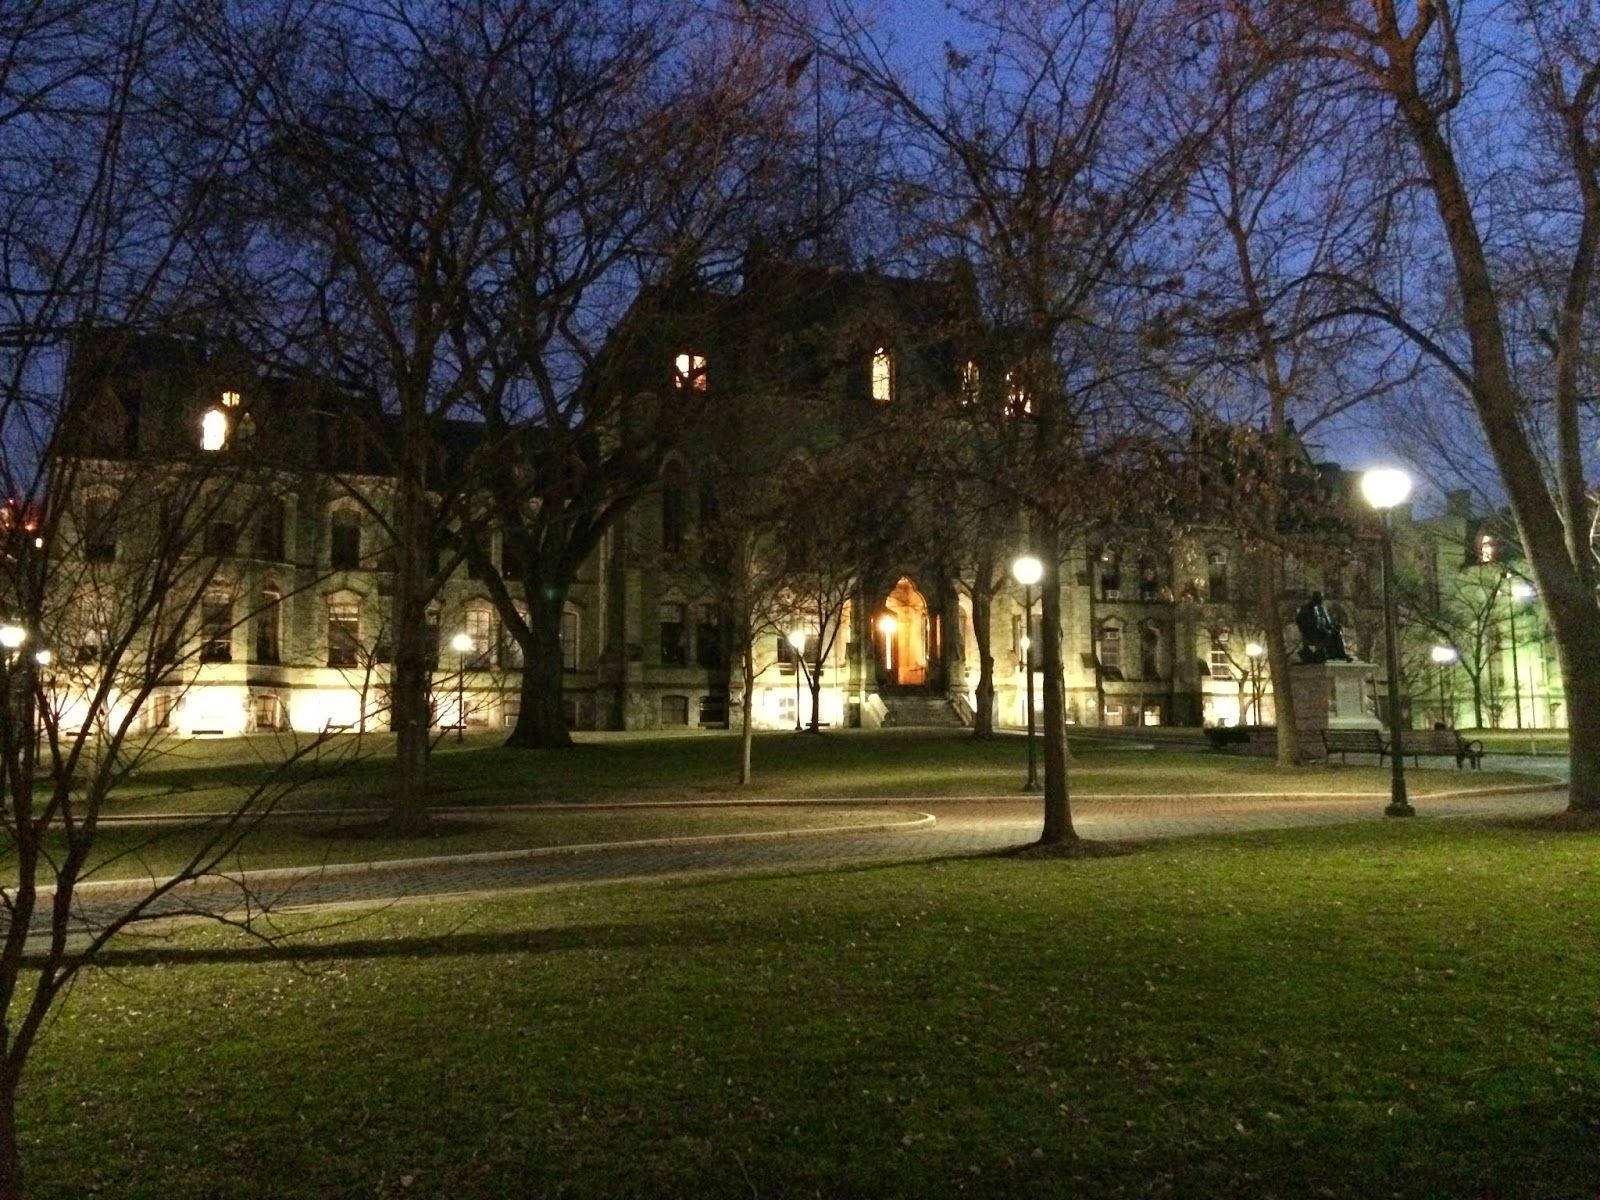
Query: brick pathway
{"x": 963, "y": 828}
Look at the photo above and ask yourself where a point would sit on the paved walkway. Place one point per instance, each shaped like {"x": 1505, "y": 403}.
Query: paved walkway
{"x": 962, "y": 828}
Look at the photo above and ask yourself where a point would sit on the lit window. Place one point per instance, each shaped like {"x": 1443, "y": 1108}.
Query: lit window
{"x": 691, "y": 372}
{"x": 1486, "y": 548}
{"x": 230, "y": 399}
{"x": 344, "y": 633}
{"x": 970, "y": 383}
{"x": 1018, "y": 401}
{"x": 1221, "y": 665}
{"x": 480, "y": 631}
{"x": 882, "y": 375}
{"x": 213, "y": 430}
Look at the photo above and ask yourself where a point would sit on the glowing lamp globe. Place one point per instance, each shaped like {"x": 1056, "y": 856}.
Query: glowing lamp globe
{"x": 1443, "y": 655}
{"x": 44, "y": 658}
{"x": 12, "y": 636}
{"x": 461, "y": 643}
{"x": 887, "y": 624}
{"x": 1385, "y": 487}
{"x": 1027, "y": 570}
{"x": 797, "y": 638}
{"x": 1522, "y": 590}
{"x": 1254, "y": 649}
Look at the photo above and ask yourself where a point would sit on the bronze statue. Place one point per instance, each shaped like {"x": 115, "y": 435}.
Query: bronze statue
{"x": 1321, "y": 639}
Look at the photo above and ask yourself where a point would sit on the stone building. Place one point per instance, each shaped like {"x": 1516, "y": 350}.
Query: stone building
{"x": 293, "y": 631}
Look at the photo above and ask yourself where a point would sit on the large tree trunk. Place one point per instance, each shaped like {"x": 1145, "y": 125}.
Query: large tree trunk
{"x": 747, "y": 666}
{"x": 412, "y": 672}
{"x": 540, "y": 722}
{"x": 10, "y": 1149}
{"x": 983, "y": 635}
{"x": 1270, "y": 602}
{"x": 1057, "y": 805}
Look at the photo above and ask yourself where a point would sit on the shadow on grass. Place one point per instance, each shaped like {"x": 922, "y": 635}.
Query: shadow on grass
{"x": 1558, "y": 822}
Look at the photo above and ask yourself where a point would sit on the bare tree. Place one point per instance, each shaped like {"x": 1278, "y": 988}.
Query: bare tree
{"x": 109, "y": 552}
{"x": 1525, "y": 380}
{"x": 1037, "y": 156}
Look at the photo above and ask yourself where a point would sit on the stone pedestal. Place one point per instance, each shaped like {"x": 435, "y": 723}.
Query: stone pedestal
{"x": 1334, "y": 695}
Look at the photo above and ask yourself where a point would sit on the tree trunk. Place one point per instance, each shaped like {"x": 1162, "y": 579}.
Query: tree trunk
{"x": 412, "y": 671}
{"x": 1057, "y": 805}
{"x": 1579, "y": 647}
{"x": 747, "y": 665}
{"x": 541, "y": 724}
{"x": 10, "y": 1148}
{"x": 1477, "y": 700}
{"x": 1270, "y": 601}
{"x": 983, "y": 635}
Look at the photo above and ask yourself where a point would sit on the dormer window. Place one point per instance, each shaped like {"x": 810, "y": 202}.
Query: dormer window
{"x": 230, "y": 399}
{"x": 213, "y": 430}
{"x": 1018, "y": 401}
{"x": 969, "y": 383}
{"x": 882, "y": 375}
{"x": 1486, "y": 548}
{"x": 690, "y": 372}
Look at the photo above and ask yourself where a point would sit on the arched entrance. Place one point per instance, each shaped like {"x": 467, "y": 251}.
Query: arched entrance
{"x": 903, "y": 637}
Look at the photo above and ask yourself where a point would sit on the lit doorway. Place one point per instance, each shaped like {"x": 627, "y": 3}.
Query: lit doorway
{"x": 903, "y": 636}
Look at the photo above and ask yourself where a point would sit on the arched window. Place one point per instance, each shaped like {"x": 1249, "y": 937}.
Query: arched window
{"x": 213, "y": 430}
{"x": 1217, "y": 577}
{"x": 344, "y": 539}
{"x": 1149, "y": 651}
{"x": 1110, "y": 649}
{"x": 882, "y": 375}
{"x": 268, "y": 626}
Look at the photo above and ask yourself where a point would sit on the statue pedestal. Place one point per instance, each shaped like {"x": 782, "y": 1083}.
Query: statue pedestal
{"x": 1334, "y": 695}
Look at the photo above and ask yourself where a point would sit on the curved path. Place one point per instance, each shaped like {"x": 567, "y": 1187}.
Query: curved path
{"x": 962, "y": 827}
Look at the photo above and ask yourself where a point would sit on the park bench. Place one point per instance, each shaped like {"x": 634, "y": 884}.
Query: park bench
{"x": 1345, "y": 742}
{"x": 1446, "y": 743}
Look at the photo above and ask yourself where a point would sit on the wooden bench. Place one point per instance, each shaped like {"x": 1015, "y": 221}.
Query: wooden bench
{"x": 1445, "y": 743}
{"x": 1345, "y": 742}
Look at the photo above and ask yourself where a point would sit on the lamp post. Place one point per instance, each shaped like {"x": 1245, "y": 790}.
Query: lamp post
{"x": 888, "y": 624}
{"x": 1253, "y": 651}
{"x": 1385, "y": 488}
{"x": 461, "y": 643}
{"x": 1028, "y": 570}
{"x": 1442, "y": 657}
{"x": 1521, "y": 590}
{"x": 797, "y": 643}
{"x": 11, "y": 639}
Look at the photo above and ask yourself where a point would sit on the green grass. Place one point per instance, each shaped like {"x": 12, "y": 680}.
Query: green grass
{"x": 122, "y": 852}
{"x": 1404, "y": 1009}
{"x": 205, "y": 776}
{"x": 1512, "y": 741}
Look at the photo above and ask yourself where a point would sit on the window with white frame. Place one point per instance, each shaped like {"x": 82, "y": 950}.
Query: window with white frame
{"x": 689, "y": 371}
{"x": 344, "y": 632}
{"x": 1110, "y": 649}
{"x": 1221, "y": 664}
{"x": 479, "y": 628}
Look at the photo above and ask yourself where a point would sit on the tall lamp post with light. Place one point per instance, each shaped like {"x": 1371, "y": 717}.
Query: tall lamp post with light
{"x": 797, "y": 643}
{"x": 1254, "y": 651}
{"x": 1028, "y": 570}
{"x": 461, "y": 643}
{"x": 1385, "y": 489}
{"x": 1443, "y": 657}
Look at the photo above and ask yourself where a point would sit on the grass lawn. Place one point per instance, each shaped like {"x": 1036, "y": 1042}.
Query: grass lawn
{"x": 201, "y": 776}
{"x": 121, "y": 852}
{"x": 1404, "y": 1009}
{"x": 1512, "y": 741}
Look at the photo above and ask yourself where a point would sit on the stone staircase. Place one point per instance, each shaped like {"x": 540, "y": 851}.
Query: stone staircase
{"x": 919, "y": 710}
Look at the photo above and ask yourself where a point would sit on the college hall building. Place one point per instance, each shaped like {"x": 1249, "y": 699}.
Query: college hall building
{"x": 292, "y": 633}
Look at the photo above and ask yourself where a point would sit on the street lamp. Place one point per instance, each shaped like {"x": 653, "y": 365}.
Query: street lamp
{"x": 1254, "y": 652}
{"x": 1385, "y": 488}
{"x": 11, "y": 639}
{"x": 1521, "y": 590}
{"x": 461, "y": 643}
{"x": 797, "y": 642}
{"x": 1028, "y": 570}
{"x": 1444, "y": 656}
{"x": 887, "y": 625}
